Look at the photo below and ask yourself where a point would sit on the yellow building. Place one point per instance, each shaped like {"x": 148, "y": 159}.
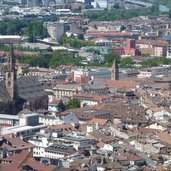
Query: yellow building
{"x": 147, "y": 51}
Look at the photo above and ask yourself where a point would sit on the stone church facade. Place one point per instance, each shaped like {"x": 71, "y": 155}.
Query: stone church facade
{"x": 15, "y": 92}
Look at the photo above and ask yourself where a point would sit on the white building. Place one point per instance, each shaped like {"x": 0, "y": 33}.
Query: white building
{"x": 63, "y": 12}
{"x": 55, "y": 29}
{"x": 50, "y": 120}
{"x": 28, "y": 125}
{"x": 78, "y": 142}
{"x": 23, "y": 131}
{"x": 89, "y": 99}
{"x": 100, "y": 4}
{"x": 79, "y": 73}
{"x": 152, "y": 72}
{"x": 169, "y": 51}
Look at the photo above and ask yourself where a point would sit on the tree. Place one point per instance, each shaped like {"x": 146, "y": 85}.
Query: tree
{"x": 61, "y": 106}
{"x": 75, "y": 42}
{"x": 157, "y": 61}
{"x": 109, "y": 58}
{"x": 75, "y": 103}
{"x": 126, "y": 62}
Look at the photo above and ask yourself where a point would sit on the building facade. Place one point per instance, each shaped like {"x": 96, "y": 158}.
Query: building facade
{"x": 16, "y": 93}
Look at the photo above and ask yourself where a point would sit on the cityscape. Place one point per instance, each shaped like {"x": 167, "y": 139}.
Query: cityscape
{"x": 85, "y": 85}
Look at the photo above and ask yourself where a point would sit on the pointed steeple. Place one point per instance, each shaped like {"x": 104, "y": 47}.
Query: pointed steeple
{"x": 10, "y": 81}
{"x": 115, "y": 70}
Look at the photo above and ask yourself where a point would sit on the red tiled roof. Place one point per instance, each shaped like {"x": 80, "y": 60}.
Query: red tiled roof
{"x": 97, "y": 120}
{"x": 16, "y": 161}
{"x": 38, "y": 166}
{"x": 165, "y": 137}
{"x": 15, "y": 143}
{"x": 153, "y": 42}
{"x": 90, "y": 97}
{"x": 118, "y": 84}
{"x": 108, "y": 33}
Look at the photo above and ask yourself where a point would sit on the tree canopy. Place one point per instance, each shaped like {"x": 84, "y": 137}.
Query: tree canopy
{"x": 51, "y": 60}
{"x": 31, "y": 28}
{"x": 118, "y": 14}
{"x": 75, "y": 42}
{"x": 75, "y": 103}
{"x": 109, "y": 58}
{"x": 157, "y": 61}
{"x": 126, "y": 62}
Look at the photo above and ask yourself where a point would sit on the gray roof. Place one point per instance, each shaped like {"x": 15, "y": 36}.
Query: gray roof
{"x": 4, "y": 96}
{"x": 11, "y": 117}
{"x": 29, "y": 87}
{"x": 60, "y": 148}
{"x": 73, "y": 86}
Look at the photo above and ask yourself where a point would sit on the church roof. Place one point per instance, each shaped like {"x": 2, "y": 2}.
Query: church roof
{"x": 29, "y": 87}
{"x": 4, "y": 96}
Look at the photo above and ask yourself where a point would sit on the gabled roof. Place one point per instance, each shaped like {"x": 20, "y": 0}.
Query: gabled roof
{"x": 29, "y": 87}
{"x": 98, "y": 121}
{"x": 4, "y": 96}
{"x": 120, "y": 84}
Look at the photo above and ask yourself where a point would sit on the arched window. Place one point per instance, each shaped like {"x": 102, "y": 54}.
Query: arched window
{"x": 9, "y": 83}
{"x": 9, "y": 75}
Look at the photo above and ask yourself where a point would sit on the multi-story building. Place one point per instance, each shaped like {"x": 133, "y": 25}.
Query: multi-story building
{"x": 129, "y": 49}
{"x": 55, "y": 29}
{"x": 8, "y": 120}
{"x": 78, "y": 142}
{"x": 160, "y": 51}
{"x": 152, "y": 72}
{"x": 58, "y": 151}
{"x": 169, "y": 51}
{"x": 153, "y": 47}
{"x": 68, "y": 90}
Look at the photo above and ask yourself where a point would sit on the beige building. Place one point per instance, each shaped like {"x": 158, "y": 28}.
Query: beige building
{"x": 68, "y": 90}
{"x": 55, "y": 29}
{"x": 160, "y": 51}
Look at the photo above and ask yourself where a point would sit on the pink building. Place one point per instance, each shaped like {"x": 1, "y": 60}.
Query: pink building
{"x": 160, "y": 51}
{"x": 129, "y": 49}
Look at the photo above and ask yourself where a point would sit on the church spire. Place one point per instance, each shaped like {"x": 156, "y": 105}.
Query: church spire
{"x": 11, "y": 75}
{"x": 115, "y": 70}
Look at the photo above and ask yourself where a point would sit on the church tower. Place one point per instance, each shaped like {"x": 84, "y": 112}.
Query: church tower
{"x": 115, "y": 70}
{"x": 10, "y": 80}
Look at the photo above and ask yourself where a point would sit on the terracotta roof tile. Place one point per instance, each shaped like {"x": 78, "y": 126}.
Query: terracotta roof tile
{"x": 120, "y": 84}
{"x": 38, "y": 166}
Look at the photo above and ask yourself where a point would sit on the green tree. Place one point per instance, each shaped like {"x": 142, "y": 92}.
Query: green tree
{"x": 109, "y": 58}
{"x": 75, "y": 42}
{"x": 61, "y": 106}
{"x": 157, "y": 61}
{"x": 75, "y": 103}
{"x": 126, "y": 62}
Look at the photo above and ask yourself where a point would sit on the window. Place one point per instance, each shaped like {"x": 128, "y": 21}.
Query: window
{"x": 9, "y": 75}
{"x": 9, "y": 83}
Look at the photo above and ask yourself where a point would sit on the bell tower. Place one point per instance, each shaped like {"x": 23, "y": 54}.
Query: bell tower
{"x": 115, "y": 70}
{"x": 10, "y": 80}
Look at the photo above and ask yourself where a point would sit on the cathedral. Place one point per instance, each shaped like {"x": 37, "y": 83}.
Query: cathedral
{"x": 15, "y": 92}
